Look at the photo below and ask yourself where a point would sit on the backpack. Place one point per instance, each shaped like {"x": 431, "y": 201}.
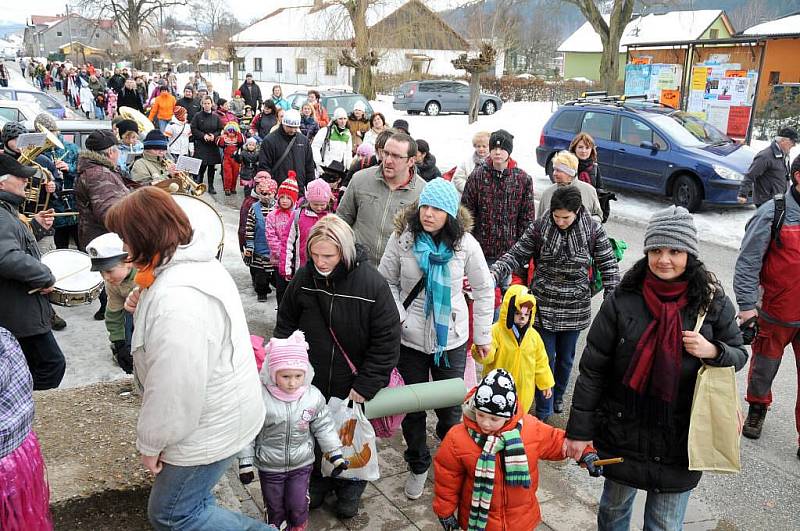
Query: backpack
{"x": 778, "y": 217}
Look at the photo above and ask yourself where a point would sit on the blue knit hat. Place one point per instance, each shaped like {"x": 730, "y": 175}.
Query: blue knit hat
{"x": 155, "y": 139}
{"x": 440, "y": 193}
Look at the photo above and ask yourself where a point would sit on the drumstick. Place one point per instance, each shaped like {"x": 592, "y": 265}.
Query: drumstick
{"x": 610, "y": 461}
{"x": 81, "y": 270}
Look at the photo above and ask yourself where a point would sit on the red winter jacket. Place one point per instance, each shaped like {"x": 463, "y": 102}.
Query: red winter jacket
{"x": 512, "y": 508}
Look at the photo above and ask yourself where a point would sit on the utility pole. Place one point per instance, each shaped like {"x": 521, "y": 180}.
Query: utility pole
{"x": 69, "y": 32}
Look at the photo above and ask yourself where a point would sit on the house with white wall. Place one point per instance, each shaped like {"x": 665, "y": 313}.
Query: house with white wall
{"x": 301, "y": 44}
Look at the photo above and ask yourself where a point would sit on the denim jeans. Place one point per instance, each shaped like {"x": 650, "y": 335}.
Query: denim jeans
{"x": 662, "y": 511}
{"x": 560, "y": 348}
{"x": 99, "y": 113}
{"x": 162, "y": 124}
{"x": 181, "y": 499}
{"x": 418, "y": 367}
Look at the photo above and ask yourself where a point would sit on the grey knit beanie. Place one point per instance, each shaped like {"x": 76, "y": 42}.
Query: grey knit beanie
{"x": 674, "y": 228}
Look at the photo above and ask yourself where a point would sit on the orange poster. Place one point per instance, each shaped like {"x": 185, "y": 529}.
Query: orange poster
{"x": 641, "y": 60}
{"x": 736, "y": 73}
{"x": 671, "y": 97}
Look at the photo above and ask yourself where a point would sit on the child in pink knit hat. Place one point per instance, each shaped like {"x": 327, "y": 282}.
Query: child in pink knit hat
{"x": 283, "y": 452}
{"x": 317, "y": 204}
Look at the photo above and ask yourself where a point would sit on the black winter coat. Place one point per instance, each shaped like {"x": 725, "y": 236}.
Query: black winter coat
{"x": 21, "y": 270}
{"x": 427, "y": 168}
{"x": 251, "y": 94}
{"x": 192, "y": 106}
{"x": 767, "y": 176}
{"x": 359, "y": 307}
{"x": 130, "y": 98}
{"x": 656, "y": 457}
{"x": 264, "y": 124}
{"x": 299, "y": 158}
{"x": 204, "y": 123}
{"x": 249, "y": 163}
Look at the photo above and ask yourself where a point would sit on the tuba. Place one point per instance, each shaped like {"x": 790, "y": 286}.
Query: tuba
{"x": 33, "y": 190}
{"x": 142, "y": 121}
{"x": 181, "y": 183}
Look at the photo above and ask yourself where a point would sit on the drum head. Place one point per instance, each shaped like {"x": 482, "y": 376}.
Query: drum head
{"x": 63, "y": 262}
{"x": 204, "y": 219}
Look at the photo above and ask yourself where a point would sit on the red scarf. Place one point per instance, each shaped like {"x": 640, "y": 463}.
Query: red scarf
{"x": 660, "y": 348}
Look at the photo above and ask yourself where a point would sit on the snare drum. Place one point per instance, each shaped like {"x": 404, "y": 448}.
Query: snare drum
{"x": 76, "y": 289}
{"x": 204, "y": 218}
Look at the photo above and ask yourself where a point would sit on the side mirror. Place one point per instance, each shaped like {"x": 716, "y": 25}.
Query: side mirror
{"x": 648, "y": 145}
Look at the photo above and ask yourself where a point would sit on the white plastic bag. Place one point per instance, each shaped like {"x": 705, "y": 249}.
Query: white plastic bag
{"x": 358, "y": 441}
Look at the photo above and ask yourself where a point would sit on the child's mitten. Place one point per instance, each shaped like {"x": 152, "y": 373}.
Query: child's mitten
{"x": 450, "y": 523}
{"x": 246, "y": 473}
{"x": 339, "y": 464}
{"x": 588, "y": 459}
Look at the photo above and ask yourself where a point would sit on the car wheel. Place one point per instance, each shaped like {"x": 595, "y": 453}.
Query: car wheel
{"x": 432, "y": 108}
{"x": 686, "y": 192}
{"x": 489, "y": 107}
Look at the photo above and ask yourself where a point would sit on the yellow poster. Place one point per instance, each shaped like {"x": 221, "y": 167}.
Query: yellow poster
{"x": 699, "y": 77}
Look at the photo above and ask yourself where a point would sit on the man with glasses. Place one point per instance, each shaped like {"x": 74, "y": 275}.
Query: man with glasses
{"x": 376, "y": 194}
{"x": 769, "y": 173}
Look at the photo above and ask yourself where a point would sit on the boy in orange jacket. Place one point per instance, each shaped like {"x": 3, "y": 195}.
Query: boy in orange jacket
{"x": 486, "y": 468}
{"x": 163, "y": 109}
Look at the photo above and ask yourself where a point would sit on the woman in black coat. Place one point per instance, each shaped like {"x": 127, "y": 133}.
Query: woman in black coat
{"x": 340, "y": 290}
{"x": 633, "y": 398}
{"x": 206, "y": 128}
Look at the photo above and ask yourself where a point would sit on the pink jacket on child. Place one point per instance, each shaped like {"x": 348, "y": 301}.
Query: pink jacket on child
{"x": 276, "y": 226}
{"x": 294, "y": 256}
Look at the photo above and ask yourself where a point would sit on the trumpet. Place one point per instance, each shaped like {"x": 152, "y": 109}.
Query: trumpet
{"x": 180, "y": 182}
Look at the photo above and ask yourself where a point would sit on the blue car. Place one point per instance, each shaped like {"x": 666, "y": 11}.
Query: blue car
{"x": 36, "y": 97}
{"x": 648, "y": 147}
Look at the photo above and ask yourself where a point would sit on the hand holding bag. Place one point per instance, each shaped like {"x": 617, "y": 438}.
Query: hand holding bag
{"x": 714, "y": 425}
{"x": 358, "y": 441}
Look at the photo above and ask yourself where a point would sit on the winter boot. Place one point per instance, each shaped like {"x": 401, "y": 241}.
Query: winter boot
{"x": 415, "y": 484}
{"x": 755, "y": 421}
{"x": 58, "y": 323}
{"x": 348, "y": 494}
{"x": 318, "y": 488}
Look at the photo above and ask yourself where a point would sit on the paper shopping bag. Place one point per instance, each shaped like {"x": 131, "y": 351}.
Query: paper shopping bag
{"x": 358, "y": 441}
{"x": 714, "y": 425}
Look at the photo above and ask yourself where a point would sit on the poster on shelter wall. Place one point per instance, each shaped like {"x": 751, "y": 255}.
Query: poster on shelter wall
{"x": 738, "y": 120}
{"x": 670, "y": 97}
{"x": 637, "y": 79}
{"x": 717, "y": 115}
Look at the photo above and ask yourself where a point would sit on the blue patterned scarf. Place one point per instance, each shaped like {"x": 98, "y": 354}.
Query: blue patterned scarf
{"x": 434, "y": 261}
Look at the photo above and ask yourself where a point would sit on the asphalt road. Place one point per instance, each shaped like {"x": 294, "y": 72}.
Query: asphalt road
{"x": 764, "y": 496}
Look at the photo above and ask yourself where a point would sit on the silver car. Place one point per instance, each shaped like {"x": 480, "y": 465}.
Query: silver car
{"x": 437, "y": 96}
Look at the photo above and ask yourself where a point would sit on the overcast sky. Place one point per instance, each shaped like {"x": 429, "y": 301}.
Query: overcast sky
{"x": 245, "y": 10}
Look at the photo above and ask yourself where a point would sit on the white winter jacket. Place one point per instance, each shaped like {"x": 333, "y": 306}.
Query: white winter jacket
{"x": 286, "y": 439}
{"x": 178, "y": 137}
{"x": 463, "y": 171}
{"x": 194, "y": 362}
{"x": 335, "y": 149}
{"x": 400, "y": 268}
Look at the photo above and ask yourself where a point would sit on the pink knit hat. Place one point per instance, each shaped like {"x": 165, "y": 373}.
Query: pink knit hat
{"x": 318, "y": 191}
{"x": 365, "y": 150}
{"x": 289, "y": 353}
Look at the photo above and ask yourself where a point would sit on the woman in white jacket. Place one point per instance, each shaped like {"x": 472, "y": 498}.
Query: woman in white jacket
{"x": 178, "y": 131}
{"x": 425, "y": 263}
{"x": 193, "y": 361}
{"x": 333, "y": 142}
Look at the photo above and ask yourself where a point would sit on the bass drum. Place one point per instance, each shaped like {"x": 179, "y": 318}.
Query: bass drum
{"x": 204, "y": 218}
{"x": 78, "y": 285}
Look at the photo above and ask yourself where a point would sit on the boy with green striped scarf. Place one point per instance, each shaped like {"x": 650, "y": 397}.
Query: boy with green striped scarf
{"x": 486, "y": 468}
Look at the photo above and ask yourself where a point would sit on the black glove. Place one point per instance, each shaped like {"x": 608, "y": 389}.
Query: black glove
{"x": 246, "y": 474}
{"x": 450, "y": 523}
{"x": 339, "y": 464}
{"x": 749, "y": 330}
{"x": 588, "y": 460}
{"x": 122, "y": 353}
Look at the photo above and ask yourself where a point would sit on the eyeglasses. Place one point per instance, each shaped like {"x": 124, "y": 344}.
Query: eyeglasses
{"x": 395, "y": 156}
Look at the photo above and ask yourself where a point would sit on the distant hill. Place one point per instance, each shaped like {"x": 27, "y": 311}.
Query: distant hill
{"x": 8, "y": 27}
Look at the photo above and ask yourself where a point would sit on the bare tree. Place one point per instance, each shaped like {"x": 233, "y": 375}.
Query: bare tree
{"x": 476, "y": 66}
{"x": 132, "y": 17}
{"x": 751, "y": 13}
{"x": 214, "y": 20}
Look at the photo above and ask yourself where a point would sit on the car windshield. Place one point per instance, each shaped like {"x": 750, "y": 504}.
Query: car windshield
{"x": 691, "y": 131}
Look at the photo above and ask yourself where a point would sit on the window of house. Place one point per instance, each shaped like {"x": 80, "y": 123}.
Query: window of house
{"x": 257, "y": 64}
{"x": 240, "y": 64}
{"x": 58, "y": 33}
{"x": 713, "y": 34}
{"x": 279, "y": 66}
{"x": 97, "y": 35}
{"x": 774, "y": 78}
{"x": 598, "y": 124}
{"x": 300, "y": 66}
{"x": 330, "y": 67}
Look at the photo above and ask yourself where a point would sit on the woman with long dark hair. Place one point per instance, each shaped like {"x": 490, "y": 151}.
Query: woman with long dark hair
{"x": 425, "y": 262}
{"x": 633, "y": 398}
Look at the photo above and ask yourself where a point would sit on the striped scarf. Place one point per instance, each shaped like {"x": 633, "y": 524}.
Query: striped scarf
{"x": 434, "y": 262}
{"x": 516, "y": 471}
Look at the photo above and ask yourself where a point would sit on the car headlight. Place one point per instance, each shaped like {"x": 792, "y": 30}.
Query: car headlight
{"x": 727, "y": 173}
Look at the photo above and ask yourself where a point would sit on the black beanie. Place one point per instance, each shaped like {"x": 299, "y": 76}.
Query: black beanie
{"x": 125, "y": 126}
{"x": 100, "y": 140}
{"x": 502, "y": 139}
{"x": 401, "y": 125}
{"x": 496, "y": 394}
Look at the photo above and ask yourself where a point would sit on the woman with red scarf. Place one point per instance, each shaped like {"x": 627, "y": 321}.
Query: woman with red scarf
{"x": 633, "y": 397}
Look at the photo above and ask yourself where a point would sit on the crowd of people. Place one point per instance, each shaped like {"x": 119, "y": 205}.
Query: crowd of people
{"x": 380, "y": 263}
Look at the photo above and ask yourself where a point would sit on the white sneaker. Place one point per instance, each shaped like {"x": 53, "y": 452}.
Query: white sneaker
{"x": 415, "y": 484}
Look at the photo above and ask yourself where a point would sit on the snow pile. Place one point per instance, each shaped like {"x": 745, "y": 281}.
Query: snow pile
{"x": 782, "y": 26}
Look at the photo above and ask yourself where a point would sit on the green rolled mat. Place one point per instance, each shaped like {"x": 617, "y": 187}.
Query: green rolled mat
{"x": 416, "y": 397}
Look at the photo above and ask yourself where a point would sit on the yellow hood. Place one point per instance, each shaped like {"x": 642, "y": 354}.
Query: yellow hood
{"x": 518, "y": 296}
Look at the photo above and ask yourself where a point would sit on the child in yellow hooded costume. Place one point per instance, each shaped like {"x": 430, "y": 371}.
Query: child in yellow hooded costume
{"x": 518, "y": 348}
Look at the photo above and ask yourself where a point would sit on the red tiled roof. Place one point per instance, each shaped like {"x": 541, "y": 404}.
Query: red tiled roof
{"x": 44, "y": 19}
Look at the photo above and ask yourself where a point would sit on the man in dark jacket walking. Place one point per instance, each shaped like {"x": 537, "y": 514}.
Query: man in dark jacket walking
{"x": 251, "y": 92}
{"x": 769, "y": 173}
{"x": 130, "y": 97}
{"x": 768, "y": 261}
{"x": 289, "y": 140}
{"x": 500, "y": 196}
{"x": 116, "y": 82}
{"x": 189, "y": 102}
{"x": 28, "y": 317}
